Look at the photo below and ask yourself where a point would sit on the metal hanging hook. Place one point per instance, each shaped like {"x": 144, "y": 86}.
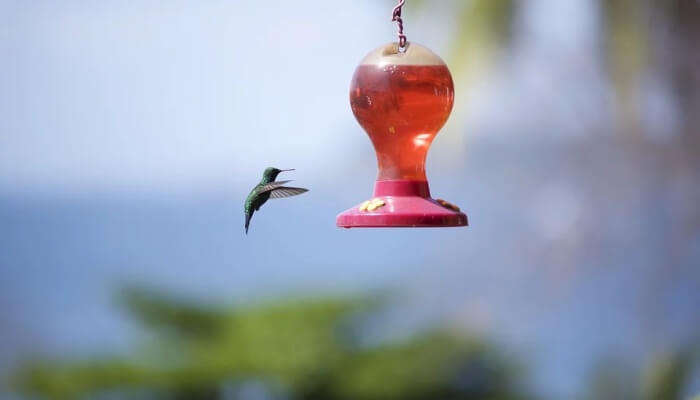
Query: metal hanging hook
{"x": 396, "y": 17}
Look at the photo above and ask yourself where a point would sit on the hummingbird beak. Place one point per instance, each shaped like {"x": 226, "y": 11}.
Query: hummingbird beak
{"x": 283, "y": 170}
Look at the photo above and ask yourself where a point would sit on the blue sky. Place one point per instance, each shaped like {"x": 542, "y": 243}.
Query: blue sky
{"x": 136, "y": 94}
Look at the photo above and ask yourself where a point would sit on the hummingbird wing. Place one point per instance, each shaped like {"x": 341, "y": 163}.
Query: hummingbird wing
{"x": 270, "y": 186}
{"x": 285, "y": 191}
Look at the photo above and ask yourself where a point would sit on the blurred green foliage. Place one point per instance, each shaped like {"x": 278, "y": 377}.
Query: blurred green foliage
{"x": 314, "y": 349}
{"x": 299, "y": 348}
{"x": 665, "y": 378}
{"x": 483, "y": 29}
{"x": 638, "y": 40}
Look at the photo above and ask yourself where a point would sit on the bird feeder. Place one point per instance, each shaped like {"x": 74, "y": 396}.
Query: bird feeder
{"x": 402, "y": 94}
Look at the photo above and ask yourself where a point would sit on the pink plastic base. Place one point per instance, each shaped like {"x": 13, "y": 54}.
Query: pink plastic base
{"x": 407, "y": 204}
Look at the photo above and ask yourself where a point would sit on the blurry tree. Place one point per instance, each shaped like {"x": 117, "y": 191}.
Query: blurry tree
{"x": 666, "y": 378}
{"x": 657, "y": 40}
{"x": 626, "y": 47}
{"x": 655, "y": 37}
{"x": 483, "y": 31}
{"x": 639, "y": 39}
{"x": 484, "y": 26}
{"x": 300, "y": 349}
{"x": 649, "y": 49}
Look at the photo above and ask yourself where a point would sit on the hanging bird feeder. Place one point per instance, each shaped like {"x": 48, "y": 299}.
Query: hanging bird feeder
{"x": 402, "y": 94}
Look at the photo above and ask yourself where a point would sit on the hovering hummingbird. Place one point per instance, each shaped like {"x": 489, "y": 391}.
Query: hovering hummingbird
{"x": 268, "y": 189}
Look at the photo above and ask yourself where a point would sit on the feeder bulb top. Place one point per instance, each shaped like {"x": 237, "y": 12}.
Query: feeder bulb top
{"x": 414, "y": 54}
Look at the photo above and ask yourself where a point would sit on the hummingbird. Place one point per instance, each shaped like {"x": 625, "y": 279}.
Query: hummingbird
{"x": 268, "y": 188}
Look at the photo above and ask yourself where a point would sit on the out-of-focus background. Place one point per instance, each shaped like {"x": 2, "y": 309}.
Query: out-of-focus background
{"x": 131, "y": 132}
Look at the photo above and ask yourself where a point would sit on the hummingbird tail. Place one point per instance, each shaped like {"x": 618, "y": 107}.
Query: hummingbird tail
{"x": 247, "y": 221}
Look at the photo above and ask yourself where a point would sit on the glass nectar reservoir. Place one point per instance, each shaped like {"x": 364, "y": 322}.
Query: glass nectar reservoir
{"x": 402, "y": 97}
